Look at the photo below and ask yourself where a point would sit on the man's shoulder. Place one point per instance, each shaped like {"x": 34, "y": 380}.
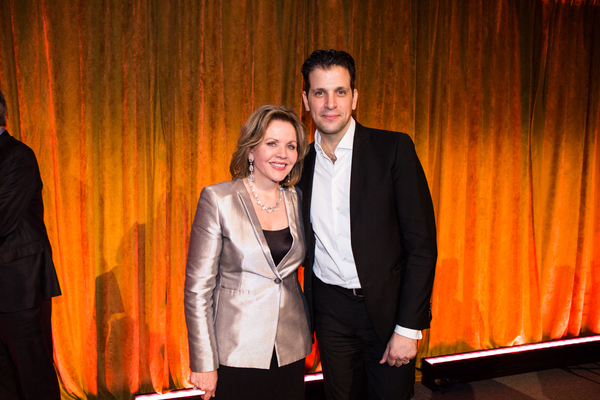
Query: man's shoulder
{"x": 382, "y": 135}
{"x": 15, "y": 149}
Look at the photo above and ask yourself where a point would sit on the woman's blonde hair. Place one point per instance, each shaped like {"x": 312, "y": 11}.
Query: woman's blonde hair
{"x": 253, "y": 132}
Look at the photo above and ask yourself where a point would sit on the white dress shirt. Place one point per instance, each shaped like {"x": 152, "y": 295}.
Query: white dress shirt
{"x": 330, "y": 217}
{"x": 330, "y": 214}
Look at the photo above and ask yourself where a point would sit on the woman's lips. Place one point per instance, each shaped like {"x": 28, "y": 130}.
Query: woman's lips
{"x": 278, "y": 166}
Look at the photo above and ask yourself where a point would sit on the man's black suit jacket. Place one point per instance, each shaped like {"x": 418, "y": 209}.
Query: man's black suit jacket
{"x": 392, "y": 230}
{"x": 27, "y": 274}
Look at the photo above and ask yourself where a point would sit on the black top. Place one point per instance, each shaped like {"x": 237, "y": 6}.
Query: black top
{"x": 280, "y": 242}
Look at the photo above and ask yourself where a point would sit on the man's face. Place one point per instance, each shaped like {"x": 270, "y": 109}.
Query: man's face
{"x": 330, "y": 100}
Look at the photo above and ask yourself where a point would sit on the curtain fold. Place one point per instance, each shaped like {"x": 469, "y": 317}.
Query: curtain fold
{"x": 133, "y": 106}
{"x": 565, "y": 152}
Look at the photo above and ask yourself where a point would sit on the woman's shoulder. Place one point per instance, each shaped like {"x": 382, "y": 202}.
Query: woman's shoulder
{"x": 226, "y": 187}
{"x": 221, "y": 190}
{"x": 293, "y": 192}
{"x": 233, "y": 186}
{"x": 292, "y": 189}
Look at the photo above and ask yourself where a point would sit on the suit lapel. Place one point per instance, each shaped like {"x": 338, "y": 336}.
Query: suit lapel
{"x": 307, "y": 183}
{"x": 358, "y": 174}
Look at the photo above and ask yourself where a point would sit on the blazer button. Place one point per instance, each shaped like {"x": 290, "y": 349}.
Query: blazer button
{"x": 277, "y": 281}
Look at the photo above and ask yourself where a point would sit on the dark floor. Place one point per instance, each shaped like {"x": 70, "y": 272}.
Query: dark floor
{"x": 574, "y": 383}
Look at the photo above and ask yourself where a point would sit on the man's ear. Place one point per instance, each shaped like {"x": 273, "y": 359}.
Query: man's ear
{"x": 354, "y": 99}
{"x": 305, "y": 101}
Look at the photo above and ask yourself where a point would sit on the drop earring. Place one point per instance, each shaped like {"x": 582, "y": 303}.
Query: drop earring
{"x": 251, "y": 169}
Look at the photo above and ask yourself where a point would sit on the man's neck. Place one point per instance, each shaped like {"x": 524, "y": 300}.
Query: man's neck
{"x": 329, "y": 146}
{"x": 330, "y": 142}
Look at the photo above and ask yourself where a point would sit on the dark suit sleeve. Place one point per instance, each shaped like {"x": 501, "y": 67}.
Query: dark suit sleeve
{"x": 19, "y": 179}
{"x": 417, "y": 227}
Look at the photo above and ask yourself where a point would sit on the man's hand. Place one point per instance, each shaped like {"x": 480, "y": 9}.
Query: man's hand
{"x": 399, "y": 351}
{"x": 206, "y": 381}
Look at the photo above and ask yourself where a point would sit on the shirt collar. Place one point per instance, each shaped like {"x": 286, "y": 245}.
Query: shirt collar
{"x": 347, "y": 141}
{"x": 2, "y": 130}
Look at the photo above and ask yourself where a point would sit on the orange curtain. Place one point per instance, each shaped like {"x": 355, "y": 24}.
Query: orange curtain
{"x": 132, "y": 106}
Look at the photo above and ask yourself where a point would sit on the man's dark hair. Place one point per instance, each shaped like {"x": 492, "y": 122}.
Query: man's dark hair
{"x": 2, "y": 110}
{"x": 327, "y": 59}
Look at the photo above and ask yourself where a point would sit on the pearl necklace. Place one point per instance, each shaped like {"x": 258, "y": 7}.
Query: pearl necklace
{"x": 261, "y": 205}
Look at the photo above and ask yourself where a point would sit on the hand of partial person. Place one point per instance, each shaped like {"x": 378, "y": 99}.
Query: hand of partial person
{"x": 206, "y": 381}
{"x": 399, "y": 351}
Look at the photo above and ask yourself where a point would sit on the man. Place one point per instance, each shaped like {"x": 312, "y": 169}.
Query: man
{"x": 28, "y": 279}
{"x": 371, "y": 241}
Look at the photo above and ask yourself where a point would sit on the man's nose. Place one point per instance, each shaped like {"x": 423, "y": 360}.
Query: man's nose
{"x": 331, "y": 102}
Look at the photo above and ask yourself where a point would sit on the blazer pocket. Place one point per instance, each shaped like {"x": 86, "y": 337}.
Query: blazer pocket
{"x": 26, "y": 250}
{"x": 233, "y": 292}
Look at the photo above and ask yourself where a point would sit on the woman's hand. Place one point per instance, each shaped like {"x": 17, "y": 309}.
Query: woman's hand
{"x": 206, "y": 381}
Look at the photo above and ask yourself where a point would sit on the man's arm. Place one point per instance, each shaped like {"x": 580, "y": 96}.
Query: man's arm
{"x": 417, "y": 222}
{"x": 418, "y": 234}
{"x": 19, "y": 176}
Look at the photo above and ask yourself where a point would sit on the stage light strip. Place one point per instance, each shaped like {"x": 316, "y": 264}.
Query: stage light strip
{"x": 515, "y": 349}
{"x": 186, "y": 393}
{"x": 179, "y": 394}
{"x": 313, "y": 377}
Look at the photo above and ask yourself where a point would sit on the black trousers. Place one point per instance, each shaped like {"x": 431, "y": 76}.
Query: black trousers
{"x": 350, "y": 350}
{"x": 26, "y": 355}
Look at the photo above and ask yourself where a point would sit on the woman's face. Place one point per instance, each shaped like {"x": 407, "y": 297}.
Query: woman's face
{"x": 276, "y": 155}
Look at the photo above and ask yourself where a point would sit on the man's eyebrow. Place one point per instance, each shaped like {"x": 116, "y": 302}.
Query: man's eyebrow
{"x": 335, "y": 90}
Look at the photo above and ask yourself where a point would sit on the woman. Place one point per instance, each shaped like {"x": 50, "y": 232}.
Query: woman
{"x": 244, "y": 308}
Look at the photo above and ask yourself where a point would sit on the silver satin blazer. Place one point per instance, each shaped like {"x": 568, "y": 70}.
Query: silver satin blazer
{"x": 238, "y": 304}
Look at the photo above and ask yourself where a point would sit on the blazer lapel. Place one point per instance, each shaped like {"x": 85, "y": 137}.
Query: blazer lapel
{"x": 249, "y": 207}
{"x": 291, "y": 207}
{"x": 358, "y": 174}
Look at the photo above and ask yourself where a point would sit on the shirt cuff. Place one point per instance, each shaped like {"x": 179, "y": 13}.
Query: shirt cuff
{"x": 409, "y": 333}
